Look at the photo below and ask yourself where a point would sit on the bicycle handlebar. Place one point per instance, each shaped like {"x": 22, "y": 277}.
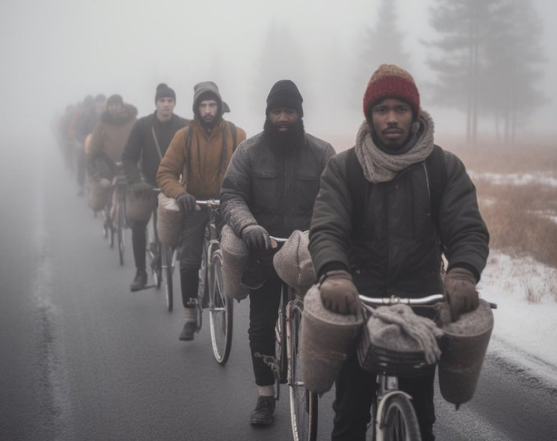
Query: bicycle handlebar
{"x": 208, "y": 202}
{"x": 393, "y": 300}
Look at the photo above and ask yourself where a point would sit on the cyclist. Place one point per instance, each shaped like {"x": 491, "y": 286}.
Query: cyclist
{"x": 378, "y": 225}
{"x": 269, "y": 189}
{"x": 88, "y": 119}
{"x": 147, "y": 144}
{"x": 200, "y": 152}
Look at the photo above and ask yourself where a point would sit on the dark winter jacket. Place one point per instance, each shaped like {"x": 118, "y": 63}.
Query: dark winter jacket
{"x": 86, "y": 124}
{"x": 141, "y": 157}
{"x": 398, "y": 249}
{"x": 273, "y": 189}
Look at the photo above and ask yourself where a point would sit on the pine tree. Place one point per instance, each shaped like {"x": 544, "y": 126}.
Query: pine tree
{"x": 482, "y": 46}
{"x": 384, "y": 44}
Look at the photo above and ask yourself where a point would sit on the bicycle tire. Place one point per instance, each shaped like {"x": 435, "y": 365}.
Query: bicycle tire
{"x": 203, "y": 284}
{"x": 221, "y": 311}
{"x": 303, "y": 403}
{"x": 280, "y": 339}
{"x": 399, "y": 421}
{"x": 168, "y": 274}
{"x": 121, "y": 212}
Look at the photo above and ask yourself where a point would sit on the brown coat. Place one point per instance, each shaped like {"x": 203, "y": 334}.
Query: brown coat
{"x": 203, "y": 165}
{"x": 110, "y": 136}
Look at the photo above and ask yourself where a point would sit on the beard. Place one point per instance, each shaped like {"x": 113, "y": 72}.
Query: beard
{"x": 285, "y": 141}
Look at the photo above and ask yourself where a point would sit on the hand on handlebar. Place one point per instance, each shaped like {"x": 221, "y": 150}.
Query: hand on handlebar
{"x": 186, "y": 202}
{"x": 256, "y": 237}
{"x": 338, "y": 293}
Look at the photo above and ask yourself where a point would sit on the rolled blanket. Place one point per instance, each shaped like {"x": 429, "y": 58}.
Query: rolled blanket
{"x": 140, "y": 201}
{"x": 326, "y": 338}
{"x": 234, "y": 258}
{"x": 293, "y": 262}
{"x": 397, "y": 328}
{"x": 170, "y": 219}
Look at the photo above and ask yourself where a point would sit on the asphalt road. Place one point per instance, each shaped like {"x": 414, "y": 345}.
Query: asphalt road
{"x": 83, "y": 358}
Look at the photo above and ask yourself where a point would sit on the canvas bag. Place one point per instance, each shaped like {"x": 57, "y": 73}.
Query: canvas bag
{"x": 293, "y": 262}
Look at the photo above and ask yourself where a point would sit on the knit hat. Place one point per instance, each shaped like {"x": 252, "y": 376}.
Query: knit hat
{"x": 285, "y": 94}
{"x": 163, "y": 91}
{"x": 115, "y": 99}
{"x": 390, "y": 81}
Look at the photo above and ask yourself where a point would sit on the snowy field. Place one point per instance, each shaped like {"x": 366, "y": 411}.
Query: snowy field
{"x": 525, "y": 329}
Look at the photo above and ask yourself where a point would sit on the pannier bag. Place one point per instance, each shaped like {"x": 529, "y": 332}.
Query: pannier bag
{"x": 293, "y": 262}
{"x": 234, "y": 258}
{"x": 326, "y": 338}
{"x": 396, "y": 341}
{"x": 169, "y": 221}
{"x": 99, "y": 193}
{"x": 140, "y": 202}
{"x": 464, "y": 348}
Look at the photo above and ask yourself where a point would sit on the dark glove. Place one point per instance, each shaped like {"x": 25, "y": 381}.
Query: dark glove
{"x": 338, "y": 293}
{"x": 256, "y": 237}
{"x": 186, "y": 202}
{"x": 460, "y": 289}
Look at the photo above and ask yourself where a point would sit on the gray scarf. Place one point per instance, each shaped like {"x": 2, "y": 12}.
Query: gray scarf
{"x": 379, "y": 166}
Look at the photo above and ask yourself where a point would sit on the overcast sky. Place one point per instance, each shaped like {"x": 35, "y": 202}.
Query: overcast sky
{"x": 55, "y": 52}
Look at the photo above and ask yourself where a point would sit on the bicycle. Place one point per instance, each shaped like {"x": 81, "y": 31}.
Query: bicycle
{"x": 211, "y": 291}
{"x": 393, "y": 416}
{"x": 286, "y": 365}
{"x": 114, "y": 212}
{"x": 162, "y": 259}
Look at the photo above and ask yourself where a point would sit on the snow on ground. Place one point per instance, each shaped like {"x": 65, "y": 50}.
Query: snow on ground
{"x": 525, "y": 329}
{"x": 546, "y": 178}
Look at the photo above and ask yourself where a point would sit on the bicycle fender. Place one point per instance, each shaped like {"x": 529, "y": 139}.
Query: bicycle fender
{"x": 379, "y": 415}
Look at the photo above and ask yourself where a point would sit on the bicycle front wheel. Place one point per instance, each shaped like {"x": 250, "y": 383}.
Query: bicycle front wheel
{"x": 399, "y": 422}
{"x": 303, "y": 403}
{"x": 221, "y": 311}
{"x": 168, "y": 273}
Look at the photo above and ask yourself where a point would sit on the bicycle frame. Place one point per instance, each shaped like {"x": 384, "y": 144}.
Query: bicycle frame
{"x": 387, "y": 384}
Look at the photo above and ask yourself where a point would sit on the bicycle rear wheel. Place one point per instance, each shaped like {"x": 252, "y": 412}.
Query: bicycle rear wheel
{"x": 399, "y": 422}
{"x": 303, "y": 403}
{"x": 221, "y": 311}
{"x": 167, "y": 274}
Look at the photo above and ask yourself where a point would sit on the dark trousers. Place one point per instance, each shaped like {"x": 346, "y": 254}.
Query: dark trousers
{"x": 354, "y": 394}
{"x": 190, "y": 249}
{"x": 139, "y": 243}
{"x": 263, "y": 313}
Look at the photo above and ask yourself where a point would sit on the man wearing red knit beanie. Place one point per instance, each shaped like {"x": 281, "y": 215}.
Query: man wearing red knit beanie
{"x": 386, "y": 211}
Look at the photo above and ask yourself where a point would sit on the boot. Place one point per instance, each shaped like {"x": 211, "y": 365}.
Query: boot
{"x": 262, "y": 415}
{"x": 190, "y": 326}
{"x": 139, "y": 281}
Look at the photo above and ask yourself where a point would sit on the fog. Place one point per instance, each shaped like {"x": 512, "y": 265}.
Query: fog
{"x": 56, "y": 52}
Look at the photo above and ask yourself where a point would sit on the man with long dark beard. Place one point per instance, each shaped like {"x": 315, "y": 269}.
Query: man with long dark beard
{"x": 269, "y": 189}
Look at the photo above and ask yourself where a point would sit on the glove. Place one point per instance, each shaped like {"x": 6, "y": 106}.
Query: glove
{"x": 460, "y": 289}
{"x": 256, "y": 237}
{"x": 186, "y": 202}
{"x": 338, "y": 293}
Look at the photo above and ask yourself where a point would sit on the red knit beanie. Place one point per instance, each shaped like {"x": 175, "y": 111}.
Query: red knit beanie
{"x": 390, "y": 81}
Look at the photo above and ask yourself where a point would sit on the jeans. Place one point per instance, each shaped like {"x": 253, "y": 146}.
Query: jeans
{"x": 139, "y": 243}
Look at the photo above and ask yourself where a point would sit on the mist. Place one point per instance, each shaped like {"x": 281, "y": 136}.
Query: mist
{"x": 55, "y": 53}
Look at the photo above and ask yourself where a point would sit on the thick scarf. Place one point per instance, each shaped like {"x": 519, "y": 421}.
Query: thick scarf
{"x": 379, "y": 166}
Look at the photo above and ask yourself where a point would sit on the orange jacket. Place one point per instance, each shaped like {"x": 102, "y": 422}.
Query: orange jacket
{"x": 198, "y": 168}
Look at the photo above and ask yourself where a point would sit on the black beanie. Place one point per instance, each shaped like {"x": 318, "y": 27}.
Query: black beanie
{"x": 285, "y": 94}
{"x": 163, "y": 91}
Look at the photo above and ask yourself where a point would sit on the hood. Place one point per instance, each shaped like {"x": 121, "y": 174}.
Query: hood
{"x": 200, "y": 90}
{"x": 127, "y": 114}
